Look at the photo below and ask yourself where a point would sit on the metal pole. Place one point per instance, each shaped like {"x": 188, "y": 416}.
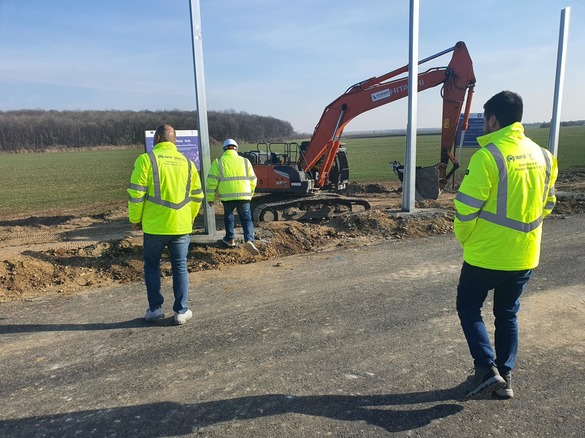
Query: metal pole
{"x": 201, "y": 102}
{"x": 409, "y": 178}
{"x": 553, "y": 140}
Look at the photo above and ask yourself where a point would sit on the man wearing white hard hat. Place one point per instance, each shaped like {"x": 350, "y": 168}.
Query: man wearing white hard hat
{"x": 232, "y": 180}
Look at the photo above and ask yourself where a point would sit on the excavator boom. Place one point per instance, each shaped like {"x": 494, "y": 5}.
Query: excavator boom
{"x": 456, "y": 79}
{"x": 293, "y": 184}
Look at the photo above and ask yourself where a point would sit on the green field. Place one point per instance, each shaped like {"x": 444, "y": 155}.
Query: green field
{"x": 34, "y": 183}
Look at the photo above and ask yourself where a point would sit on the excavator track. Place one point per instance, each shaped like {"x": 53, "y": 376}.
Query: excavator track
{"x": 307, "y": 208}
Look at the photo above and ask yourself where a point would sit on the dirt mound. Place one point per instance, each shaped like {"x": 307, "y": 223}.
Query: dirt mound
{"x": 68, "y": 270}
{"x": 359, "y": 188}
{"x": 574, "y": 178}
{"x": 38, "y": 222}
{"x": 63, "y": 254}
{"x": 570, "y": 192}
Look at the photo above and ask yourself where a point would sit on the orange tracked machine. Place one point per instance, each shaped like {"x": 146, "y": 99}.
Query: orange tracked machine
{"x": 301, "y": 181}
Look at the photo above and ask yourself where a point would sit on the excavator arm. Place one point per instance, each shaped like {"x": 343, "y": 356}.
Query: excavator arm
{"x": 456, "y": 79}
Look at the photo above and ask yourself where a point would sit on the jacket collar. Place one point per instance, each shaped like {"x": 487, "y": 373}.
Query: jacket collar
{"x": 165, "y": 145}
{"x": 515, "y": 130}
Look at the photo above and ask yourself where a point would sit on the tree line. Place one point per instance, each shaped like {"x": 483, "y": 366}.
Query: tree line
{"x": 569, "y": 123}
{"x": 37, "y": 130}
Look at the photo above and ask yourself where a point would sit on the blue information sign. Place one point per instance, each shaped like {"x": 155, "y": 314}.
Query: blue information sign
{"x": 474, "y": 130}
{"x": 187, "y": 143}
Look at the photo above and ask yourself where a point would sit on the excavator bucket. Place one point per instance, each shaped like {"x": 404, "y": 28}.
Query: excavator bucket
{"x": 426, "y": 184}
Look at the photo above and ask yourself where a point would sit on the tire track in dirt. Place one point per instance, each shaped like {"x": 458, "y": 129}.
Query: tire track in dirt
{"x": 36, "y": 241}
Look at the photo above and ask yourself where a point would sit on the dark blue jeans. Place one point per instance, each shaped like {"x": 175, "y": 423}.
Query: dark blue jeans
{"x": 474, "y": 285}
{"x": 243, "y": 208}
{"x": 154, "y": 244}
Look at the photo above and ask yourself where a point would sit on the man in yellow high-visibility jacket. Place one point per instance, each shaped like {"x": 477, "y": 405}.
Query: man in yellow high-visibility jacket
{"x": 506, "y": 193}
{"x": 165, "y": 196}
{"x": 232, "y": 179}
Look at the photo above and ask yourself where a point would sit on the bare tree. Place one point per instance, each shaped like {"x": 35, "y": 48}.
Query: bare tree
{"x": 39, "y": 129}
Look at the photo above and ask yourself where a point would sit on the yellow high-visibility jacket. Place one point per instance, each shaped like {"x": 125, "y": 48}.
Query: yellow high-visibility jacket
{"x": 231, "y": 177}
{"x": 507, "y": 191}
{"x": 165, "y": 192}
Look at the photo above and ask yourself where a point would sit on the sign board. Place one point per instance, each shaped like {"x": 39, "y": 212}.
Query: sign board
{"x": 474, "y": 130}
{"x": 187, "y": 143}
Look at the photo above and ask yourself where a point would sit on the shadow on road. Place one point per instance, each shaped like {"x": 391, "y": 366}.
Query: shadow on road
{"x": 175, "y": 419}
{"x": 133, "y": 323}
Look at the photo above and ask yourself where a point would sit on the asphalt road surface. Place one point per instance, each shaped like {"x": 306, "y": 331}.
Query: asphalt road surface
{"x": 349, "y": 343}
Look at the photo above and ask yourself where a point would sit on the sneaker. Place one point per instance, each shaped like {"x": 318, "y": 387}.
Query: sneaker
{"x": 506, "y": 392}
{"x": 154, "y": 315}
{"x": 182, "y": 318}
{"x": 249, "y": 245}
{"x": 486, "y": 380}
{"x": 229, "y": 242}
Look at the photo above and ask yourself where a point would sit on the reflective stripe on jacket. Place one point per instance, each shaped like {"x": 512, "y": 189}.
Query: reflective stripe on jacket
{"x": 231, "y": 177}
{"x": 165, "y": 191}
{"x": 507, "y": 191}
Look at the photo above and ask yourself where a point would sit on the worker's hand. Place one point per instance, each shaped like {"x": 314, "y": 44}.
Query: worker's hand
{"x": 137, "y": 227}
{"x": 210, "y": 204}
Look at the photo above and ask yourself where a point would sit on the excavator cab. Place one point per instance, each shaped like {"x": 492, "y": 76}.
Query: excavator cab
{"x": 272, "y": 153}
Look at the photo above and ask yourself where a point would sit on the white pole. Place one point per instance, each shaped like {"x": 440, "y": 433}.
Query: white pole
{"x": 201, "y": 102}
{"x": 553, "y": 140}
{"x": 409, "y": 178}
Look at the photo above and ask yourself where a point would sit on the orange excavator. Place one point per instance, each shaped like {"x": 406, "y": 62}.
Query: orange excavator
{"x": 300, "y": 181}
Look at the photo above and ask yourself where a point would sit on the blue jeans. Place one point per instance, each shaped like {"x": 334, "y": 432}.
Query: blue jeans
{"x": 474, "y": 285}
{"x": 243, "y": 208}
{"x": 154, "y": 244}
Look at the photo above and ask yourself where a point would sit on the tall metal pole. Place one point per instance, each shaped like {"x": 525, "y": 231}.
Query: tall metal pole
{"x": 553, "y": 139}
{"x": 409, "y": 178}
{"x": 201, "y": 102}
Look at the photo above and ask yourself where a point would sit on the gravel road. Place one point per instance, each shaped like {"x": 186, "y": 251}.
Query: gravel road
{"x": 344, "y": 343}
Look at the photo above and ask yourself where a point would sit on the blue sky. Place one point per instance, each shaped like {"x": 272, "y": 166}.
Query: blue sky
{"x": 286, "y": 59}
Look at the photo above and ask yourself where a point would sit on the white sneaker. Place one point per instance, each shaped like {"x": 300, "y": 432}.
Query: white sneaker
{"x": 154, "y": 315}
{"x": 182, "y": 318}
{"x": 249, "y": 245}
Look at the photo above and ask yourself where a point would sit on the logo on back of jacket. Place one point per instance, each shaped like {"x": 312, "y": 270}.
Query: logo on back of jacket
{"x": 528, "y": 156}
{"x": 177, "y": 160}
{"x": 525, "y": 161}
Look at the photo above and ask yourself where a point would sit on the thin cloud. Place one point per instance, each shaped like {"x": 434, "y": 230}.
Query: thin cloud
{"x": 285, "y": 60}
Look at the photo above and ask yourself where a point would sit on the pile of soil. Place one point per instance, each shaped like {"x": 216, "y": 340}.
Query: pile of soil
{"x": 71, "y": 252}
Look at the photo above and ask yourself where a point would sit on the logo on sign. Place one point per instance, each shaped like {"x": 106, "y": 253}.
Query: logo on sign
{"x": 384, "y": 94}
{"x": 399, "y": 89}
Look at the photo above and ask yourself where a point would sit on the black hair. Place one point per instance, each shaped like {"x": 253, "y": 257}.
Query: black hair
{"x": 507, "y": 106}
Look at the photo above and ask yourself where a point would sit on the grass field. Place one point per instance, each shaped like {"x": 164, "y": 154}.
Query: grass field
{"x": 38, "y": 182}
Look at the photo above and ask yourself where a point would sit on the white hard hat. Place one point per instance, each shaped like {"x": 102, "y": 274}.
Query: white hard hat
{"x": 230, "y": 143}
